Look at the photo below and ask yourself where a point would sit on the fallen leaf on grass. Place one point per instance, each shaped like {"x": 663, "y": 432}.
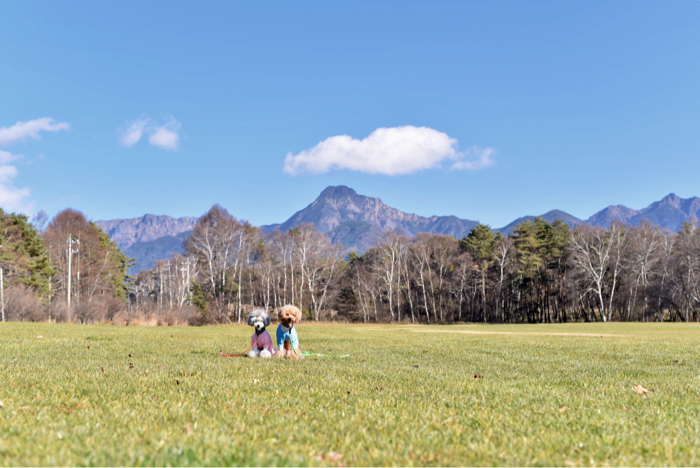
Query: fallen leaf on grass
{"x": 563, "y": 408}
{"x": 39, "y": 336}
{"x": 2, "y": 405}
{"x": 256, "y": 380}
{"x": 416, "y": 366}
{"x": 641, "y": 389}
{"x": 332, "y": 455}
{"x": 352, "y": 393}
{"x": 478, "y": 377}
{"x": 24, "y": 408}
{"x": 379, "y": 389}
{"x": 177, "y": 382}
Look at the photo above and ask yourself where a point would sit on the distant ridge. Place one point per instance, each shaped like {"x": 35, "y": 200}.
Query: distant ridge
{"x": 147, "y": 253}
{"x": 148, "y": 238}
{"x": 670, "y": 212}
{"x": 126, "y": 232}
{"x": 357, "y": 221}
{"x": 610, "y": 214}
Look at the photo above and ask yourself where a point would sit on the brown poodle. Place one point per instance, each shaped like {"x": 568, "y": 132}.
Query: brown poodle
{"x": 287, "y": 340}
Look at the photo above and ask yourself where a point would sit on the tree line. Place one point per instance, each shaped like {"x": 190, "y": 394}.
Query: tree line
{"x": 541, "y": 273}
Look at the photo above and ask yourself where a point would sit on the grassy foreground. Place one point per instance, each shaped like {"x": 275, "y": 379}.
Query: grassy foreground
{"x": 107, "y": 395}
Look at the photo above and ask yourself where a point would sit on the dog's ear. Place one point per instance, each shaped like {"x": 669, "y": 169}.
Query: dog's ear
{"x": 250, "y": 318}
{"x": 283, "y": 314}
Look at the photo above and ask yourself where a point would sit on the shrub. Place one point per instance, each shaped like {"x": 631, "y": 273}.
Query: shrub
{"x": 22, "y": 304}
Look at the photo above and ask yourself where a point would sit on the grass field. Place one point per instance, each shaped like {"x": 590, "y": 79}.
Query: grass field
{"x": 550, "y": 395}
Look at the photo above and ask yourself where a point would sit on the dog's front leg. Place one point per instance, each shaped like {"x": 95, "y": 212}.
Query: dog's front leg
{"x": 291, "y": 352}
{"x": 285, "y": 349}
{"x": 294, "y": 353}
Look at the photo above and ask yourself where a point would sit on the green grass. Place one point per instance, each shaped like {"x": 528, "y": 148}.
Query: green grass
{"x": 107, "y": 395}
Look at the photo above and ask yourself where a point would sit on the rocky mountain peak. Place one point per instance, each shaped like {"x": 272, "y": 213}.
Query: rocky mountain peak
{"x": 338, "y": 205}
{"x": 671, "y": 199}
{"x": 336, "y": 192}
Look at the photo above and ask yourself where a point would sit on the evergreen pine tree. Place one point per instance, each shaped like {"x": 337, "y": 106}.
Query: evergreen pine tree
{"x": 197, "y": 298}
{"x": 23, "y": 254}
{"x": 479, "y": 243}
{"x": 119, "y": 265}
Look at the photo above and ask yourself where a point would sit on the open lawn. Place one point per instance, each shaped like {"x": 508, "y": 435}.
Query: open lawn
{"x": 550, "y": 395}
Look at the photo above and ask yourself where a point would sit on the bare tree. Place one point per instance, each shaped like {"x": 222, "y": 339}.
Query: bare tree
{"x": 644, "y": 242}
{"x": 387, "y": 265}
{"x": 687, "y": 266}
{"x": 215, "y": 244}
{"x": 504, "y": 258}
{"x": 617, "y": 240}
{"x": 591, "y": 255}
{"x": 421, "y": 255}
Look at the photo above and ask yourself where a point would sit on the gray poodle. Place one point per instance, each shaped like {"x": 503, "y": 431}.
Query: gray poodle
{"x": 260, "y": 342}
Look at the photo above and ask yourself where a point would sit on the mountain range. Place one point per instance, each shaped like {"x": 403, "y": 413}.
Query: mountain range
{"x": 148, "y": 238}
{"x": 357, "y": 221}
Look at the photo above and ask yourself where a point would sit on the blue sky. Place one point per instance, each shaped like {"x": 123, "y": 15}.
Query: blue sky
{"x": 502, "y": 108}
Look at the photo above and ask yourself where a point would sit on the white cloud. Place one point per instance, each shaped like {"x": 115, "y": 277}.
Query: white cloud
{"x": 6, "y": 157}
{"x": 12, "y": 198}
{"x": 30, "y": 129}
{"x": 164, "y": 135}
{"x": 390, "y": 151}
{"x": 476, "y": 158}
{"x": 7, "y": 173}
{"x": 133, "y": 134}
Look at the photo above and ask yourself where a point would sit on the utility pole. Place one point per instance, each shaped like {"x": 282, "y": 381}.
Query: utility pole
{"x": 70, "y": 243}
{"x": 186, "y": 267}
{"x": 2, "y": 294}
{"x": 159, "y": 277}
{"x": 170, "y": 285}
